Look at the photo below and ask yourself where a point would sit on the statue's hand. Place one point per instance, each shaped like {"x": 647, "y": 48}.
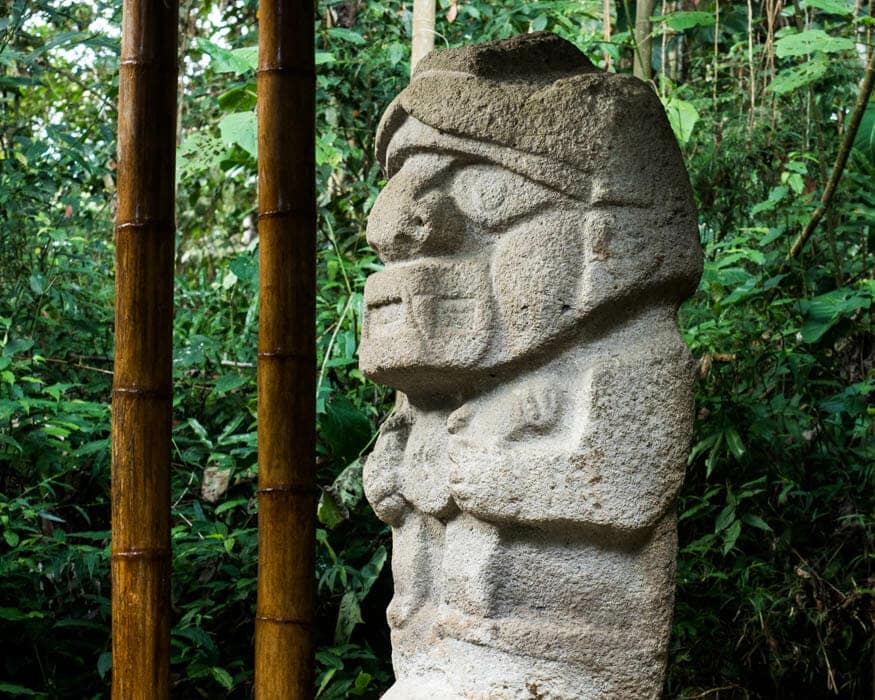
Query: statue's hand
{"x": 502, "y": 447}
{"x": 600, "y": 454}
{"x": 380, "y": 476}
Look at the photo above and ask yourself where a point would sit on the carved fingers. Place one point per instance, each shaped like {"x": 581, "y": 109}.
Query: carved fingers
{"x": 380, "y": 476}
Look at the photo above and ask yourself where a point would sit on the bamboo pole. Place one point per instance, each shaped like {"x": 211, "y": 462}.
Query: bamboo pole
{"x": 286, "y": 351}
{"x": 141, "y": 396}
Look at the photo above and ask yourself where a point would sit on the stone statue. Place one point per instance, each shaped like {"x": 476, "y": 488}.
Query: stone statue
{"x": 539, "y": 233}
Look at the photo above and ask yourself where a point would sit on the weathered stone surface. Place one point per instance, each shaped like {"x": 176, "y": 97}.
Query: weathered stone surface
{"x": 539, "y": 233}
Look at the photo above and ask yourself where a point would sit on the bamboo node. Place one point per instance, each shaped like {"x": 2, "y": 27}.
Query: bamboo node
{"x": 296, "y": 489}
{"x": 151, "y": 554}
{"x": 147, "y": 223}
{"x": 285, "y": 355}
{"x": 297, "y": 72}
{"x": 286, "y": 211}
{"x": 150, "y": 63}
{"x": 306, "y": 624}
{"x": 141, "y": 393}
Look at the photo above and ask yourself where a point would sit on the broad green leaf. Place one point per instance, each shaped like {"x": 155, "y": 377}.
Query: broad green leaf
{"x": 37, "y": 283}
{"x": 238, "y": 99}
{"x": 865, "y": 139}
{"x": 790, "y": 79}
{"x": 329, "y": 511}
{"x": 345, "y": 429}
{"x": 228, "y": 505}
{"x": 323, "y": 57}
{"x": 683, "y": 118}
{"x": 822, "y": 312}
{"x": 396, "y": 53}
{"x": 730, "y": 537}
{"x": 12, "y": 689}
{"x": 810, "y": 41}
{"x": 225, "y": 60}
{"x": 197, "y": 153}
{"x": 794, "y": 181}
{"x": 240, "y": 128}
{"x": 850, "y": 399}
{"x": 200, "y": 431}
{"x": 349, "y": 615}
{"x": 776, "y": 194}
{"x": 104, "y": 663}
{"x": 726, "y": 516}
{"x": 756, "y": 521}
{"x": 229, "y": 382}
{"x": 245, "y": 267}
{"x": 742, "y": 292}
{"x": 13, "y": 347}
{"x": 248, "y": 55}
{"x": 832, "y": 7}
{"x": 326, "y": 679}
{"x": 733, "y": 441}
{"x": 49, "y": 516}
{"x": 371, "y": 571}
{"x": 14, "y": 614}
{"x": 223, "y": 677}
{"x": 347, "y": 35}
{"x": 58, "y": 40}
{"x": 679, "y": 21}
{"x": 8, "y": 439}
{"x": 362, "y": 683}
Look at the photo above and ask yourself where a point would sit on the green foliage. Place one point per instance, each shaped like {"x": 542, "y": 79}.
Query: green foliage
{"x": 776, "y": 519}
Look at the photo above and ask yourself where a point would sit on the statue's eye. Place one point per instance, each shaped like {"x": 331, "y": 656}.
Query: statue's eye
{"x": 494, "y": 197}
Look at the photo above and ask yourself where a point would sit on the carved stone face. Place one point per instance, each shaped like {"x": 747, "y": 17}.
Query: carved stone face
{"x": 482, "y": 266}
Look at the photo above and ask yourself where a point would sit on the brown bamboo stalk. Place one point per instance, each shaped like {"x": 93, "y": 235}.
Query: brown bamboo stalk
{"x": 286, "y": 354}
{"x": 141, "y": 396}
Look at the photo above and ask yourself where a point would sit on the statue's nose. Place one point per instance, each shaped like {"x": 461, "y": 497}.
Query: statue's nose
{"x": 407, "y": 223}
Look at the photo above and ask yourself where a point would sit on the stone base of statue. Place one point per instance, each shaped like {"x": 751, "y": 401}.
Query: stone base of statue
{"x": 539, "y": 234}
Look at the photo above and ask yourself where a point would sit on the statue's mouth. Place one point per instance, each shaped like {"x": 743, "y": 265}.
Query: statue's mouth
{"x": 386, "y": 317}
{"x": 425, "y": 313}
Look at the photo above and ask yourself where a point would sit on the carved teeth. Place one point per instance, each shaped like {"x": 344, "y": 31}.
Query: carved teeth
{"x": 384, "y": 317}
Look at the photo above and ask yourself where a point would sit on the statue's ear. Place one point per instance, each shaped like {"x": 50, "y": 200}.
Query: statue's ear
{"x": 594, "y": 232}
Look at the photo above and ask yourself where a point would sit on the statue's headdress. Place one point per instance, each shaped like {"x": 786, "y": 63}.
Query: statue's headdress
{"x": 595, "y": 135}
{"x": 536, "y": 105}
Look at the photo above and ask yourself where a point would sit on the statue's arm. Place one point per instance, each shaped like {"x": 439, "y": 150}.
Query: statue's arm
{"x": 615, "y": 459}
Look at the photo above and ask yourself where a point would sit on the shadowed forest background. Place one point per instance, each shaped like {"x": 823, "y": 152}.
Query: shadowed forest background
{"x": 777, "y": 517}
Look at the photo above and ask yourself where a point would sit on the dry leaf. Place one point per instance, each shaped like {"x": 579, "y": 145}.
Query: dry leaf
{"x": 215, "y": 483}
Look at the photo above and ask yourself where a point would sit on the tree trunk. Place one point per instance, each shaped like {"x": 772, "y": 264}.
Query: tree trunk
{"x": 844, "y": 153}
{"x": 141, "y": 395}
{"x": 606, "y": 32}
{"x": 286, "y": 355}
{"x": 643, "y": 40}
{"x": 423, "y": 31}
